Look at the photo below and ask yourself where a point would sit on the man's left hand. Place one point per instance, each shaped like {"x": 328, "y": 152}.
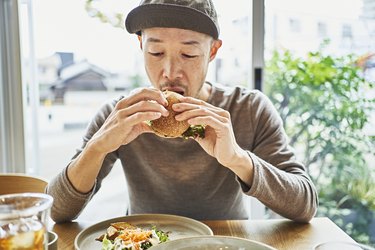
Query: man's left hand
{"x": 219, "y": 140}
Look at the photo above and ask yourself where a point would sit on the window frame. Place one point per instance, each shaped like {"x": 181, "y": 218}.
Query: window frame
{"x": 12, "y": 144}
{"x": 257, "y": 39}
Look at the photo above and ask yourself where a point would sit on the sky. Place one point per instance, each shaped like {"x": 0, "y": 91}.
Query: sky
{"x": 64, "y": 25}
{"x": 343, "y": 9}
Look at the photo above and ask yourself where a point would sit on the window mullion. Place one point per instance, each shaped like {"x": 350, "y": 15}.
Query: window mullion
{"x": 257, "y": 33}
{"x": 12, "y": 150}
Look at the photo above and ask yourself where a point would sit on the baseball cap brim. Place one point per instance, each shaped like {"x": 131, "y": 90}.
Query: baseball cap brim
{"x": 169, "y": 16}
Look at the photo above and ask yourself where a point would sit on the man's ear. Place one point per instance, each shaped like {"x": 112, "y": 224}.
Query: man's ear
{"x": 216, "y": 44}
{"x": 140, "y": 41}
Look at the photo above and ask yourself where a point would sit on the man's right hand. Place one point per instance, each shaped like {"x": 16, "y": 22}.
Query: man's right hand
{"x": 123, "y": 125}
{"x": 128, "y": 119}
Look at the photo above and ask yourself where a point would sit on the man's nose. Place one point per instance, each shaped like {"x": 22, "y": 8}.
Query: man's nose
{"x": 172, "y": 69}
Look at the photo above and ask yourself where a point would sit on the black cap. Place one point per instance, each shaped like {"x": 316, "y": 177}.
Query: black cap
{"x": 196, "y": 15}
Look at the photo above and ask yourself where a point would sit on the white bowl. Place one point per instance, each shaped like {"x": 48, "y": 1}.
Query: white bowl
{"x": 212, "y": 243}
{"x": 341, "y": 245}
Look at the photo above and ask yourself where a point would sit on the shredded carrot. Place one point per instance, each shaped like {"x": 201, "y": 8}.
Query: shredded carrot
{"x": 135, "y": 235}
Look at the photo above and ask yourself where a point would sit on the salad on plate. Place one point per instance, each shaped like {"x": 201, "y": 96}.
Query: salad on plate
{"x": 125, "y": 236}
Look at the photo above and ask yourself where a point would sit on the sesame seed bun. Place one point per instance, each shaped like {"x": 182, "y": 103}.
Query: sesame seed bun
{"x": 169, "y": 126}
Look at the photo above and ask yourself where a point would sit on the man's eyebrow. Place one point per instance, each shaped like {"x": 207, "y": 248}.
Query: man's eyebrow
{"x": 156, "y": 40}
{"x": 192, "y": 42}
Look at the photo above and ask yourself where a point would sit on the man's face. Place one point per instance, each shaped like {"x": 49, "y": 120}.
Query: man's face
{"x": 177, "y": 59}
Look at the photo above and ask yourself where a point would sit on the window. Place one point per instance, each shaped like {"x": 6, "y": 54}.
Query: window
{"x": 311, "y": 78}
{"x": 73, "y": 63}
{"x": 347, "y": 31}
{"x": 78, "y": 68}
{"x": 294, "y": 25}
{"x": 322, "y": 30}
{"x": 368, "y": 9}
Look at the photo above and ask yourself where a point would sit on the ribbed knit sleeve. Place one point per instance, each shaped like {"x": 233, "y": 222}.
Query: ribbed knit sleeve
{"x": 280, "y": 182}
{"x": 68, "y": 202}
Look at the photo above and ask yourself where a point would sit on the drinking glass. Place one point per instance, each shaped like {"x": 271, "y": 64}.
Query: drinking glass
{"x": 23, "y": 219}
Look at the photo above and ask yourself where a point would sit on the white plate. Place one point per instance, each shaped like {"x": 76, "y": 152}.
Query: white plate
{"x": 178, "y": 226}
{"x": 213, "y": 243}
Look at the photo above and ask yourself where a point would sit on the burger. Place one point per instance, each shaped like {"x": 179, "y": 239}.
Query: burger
{"x": 171, "y": 128}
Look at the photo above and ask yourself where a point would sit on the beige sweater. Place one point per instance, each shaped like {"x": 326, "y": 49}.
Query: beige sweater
{"x": 175, "y": 176}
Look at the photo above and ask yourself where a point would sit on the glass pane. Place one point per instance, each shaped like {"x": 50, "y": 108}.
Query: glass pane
{"x": 232, "y": 64}
{"x": 84, "y": 61}
{"x": 320, "y": 75}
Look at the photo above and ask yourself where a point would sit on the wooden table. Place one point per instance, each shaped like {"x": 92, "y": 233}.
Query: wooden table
{"x": 281, "y": 234}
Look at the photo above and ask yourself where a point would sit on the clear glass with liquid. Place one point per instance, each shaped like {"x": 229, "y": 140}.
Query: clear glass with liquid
{"x": 23, "y": 221}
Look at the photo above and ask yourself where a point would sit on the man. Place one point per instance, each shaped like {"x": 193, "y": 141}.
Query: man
{"x": 244, "y": 150}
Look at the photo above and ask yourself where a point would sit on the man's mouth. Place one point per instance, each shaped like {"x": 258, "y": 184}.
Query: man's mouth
{"x": 178, "y": 90}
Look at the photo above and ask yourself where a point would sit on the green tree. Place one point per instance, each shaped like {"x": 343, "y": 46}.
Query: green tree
{"x": 115, "y": 19}
{"x": 323, "y": 104}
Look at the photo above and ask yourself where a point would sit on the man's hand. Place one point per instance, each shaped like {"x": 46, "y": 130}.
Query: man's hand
{"x": 124, "y": 124}
{"x": 128, "y": 119}
{"x": 219, "y": 140}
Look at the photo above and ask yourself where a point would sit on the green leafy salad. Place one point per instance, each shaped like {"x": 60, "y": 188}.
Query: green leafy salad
{"x": 124, "y": 236}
